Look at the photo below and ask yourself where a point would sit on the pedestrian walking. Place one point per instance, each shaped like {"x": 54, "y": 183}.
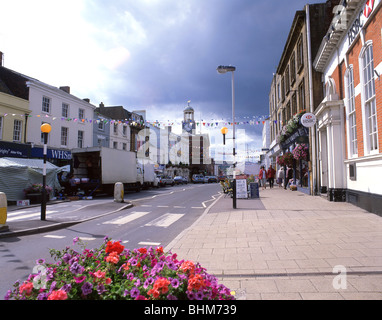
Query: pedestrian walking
{"x": 263, "y": 177}
{"x": 271, "y": 176}
{"x": 280, "y": 176}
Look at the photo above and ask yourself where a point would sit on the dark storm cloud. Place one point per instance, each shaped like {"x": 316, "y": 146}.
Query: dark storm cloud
{"x": 175, "y": 47}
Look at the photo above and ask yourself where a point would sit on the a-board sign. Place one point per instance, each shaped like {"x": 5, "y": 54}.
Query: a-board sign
{"x": 241, "y": 189}
{"x": 254, "y": 190}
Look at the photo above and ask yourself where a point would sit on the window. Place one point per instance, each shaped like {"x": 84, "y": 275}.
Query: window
{"x": 65, "y": 110}
{"x": 115, "y": 145}
{"x": 288, "y": 112}
{"x": 300, "y": 54}
{"x": 124, "y": 146}
{"x": 301, "y": 96}
{"x": 287, "y": 83}
{"x": 350, "y": 103}
{"x": 352, "y": 171}
{"x": 17, "y": 126}
{"x": 80, "y": 140}
{"x": 64, "y": 136}
{"x": 46, "y": 104}
{"x": 292, "y": 68}
{"x": 101, "y": 125}
{"x": 370, "y": 109}
{"x": 124, "y": 130}
{"x": 294, "y": 104}
{"x": 282, "y": 89}
{"x": 116, "y": 128}
{"x": 81, "y": 114}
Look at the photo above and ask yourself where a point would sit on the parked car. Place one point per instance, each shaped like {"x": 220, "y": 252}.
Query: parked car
{"x": 185, "y": 180}
{"x": 210, "y": 179}
{"x": 197, "y": 178}
{"x": 178, "y": 180}
{"x": 167, "y": 180}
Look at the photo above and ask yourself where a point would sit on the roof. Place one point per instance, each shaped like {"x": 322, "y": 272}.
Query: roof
{"x": 13, "y": 83}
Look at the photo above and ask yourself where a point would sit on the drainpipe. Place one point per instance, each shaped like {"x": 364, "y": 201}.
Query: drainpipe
{"x": 311, "y": 102}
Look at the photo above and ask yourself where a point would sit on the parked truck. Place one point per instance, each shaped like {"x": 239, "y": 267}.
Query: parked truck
{"x": 150, "y": 178}
{"x": 99, "y": 168}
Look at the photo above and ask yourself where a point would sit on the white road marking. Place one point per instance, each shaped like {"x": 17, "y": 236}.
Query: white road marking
{"x": 87, "y": 238}
{"x": 127, "y": 219}
{"x": 54, "y": 236}
{"x": 165, "y": 220}
{"x": 31, "y": 215}
{"x": 145, "y": 243}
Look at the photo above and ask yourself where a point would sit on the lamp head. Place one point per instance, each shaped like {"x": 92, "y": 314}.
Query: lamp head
{"x": 225, "y": 69}
{"x": 224, "y": 130}
{"x": 46, "y": 128}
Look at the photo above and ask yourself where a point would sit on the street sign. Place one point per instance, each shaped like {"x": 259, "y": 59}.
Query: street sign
{"x": 308, "y": 120}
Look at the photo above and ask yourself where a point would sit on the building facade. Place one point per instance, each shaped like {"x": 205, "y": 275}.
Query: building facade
{"x": 296, "y": 88}
{"x": 350, "y": 116}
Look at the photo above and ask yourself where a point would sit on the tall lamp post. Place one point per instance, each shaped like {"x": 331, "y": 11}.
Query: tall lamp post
{"x": 45, "y": 129}
{"x": 225, "y": 69}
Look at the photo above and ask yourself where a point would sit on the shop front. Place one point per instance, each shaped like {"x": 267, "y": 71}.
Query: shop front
{"x": 14, "y": 150}
{"x": 59, "y": 157}
{"x": 295, "y": 159}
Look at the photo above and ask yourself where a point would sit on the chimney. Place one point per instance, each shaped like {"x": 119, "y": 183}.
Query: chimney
{"x": 101, "y": 105}
{"x": 1, "y": 59}
{"x": 87, "y": 100}
{"x": 66, "y": 89}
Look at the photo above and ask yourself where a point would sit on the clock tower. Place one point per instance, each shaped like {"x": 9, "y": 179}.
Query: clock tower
{"x": 188, "y": 123}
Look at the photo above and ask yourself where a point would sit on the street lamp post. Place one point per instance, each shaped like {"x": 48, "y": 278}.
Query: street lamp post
{"x": 224, "y": 131}
{"x": 225, "y": 69}
{"x": 45, "y": 129}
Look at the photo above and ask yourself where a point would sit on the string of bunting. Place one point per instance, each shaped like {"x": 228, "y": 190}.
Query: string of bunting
{"x": 255, "y": 120}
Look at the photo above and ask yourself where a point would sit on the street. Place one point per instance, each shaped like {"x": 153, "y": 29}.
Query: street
{"x": 157, "y": 217}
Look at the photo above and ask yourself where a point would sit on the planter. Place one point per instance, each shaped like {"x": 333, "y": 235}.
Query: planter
{"x": 36, "y": 198}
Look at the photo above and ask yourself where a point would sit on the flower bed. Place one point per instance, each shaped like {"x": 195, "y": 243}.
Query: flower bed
{"x": 112, "y": 272}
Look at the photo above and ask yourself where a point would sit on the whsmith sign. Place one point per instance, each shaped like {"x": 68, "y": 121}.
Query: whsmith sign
{"x": 51, "y": 154}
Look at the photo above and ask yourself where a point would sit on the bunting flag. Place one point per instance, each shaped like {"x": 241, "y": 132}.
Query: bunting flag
{"x": 213, "y": 123}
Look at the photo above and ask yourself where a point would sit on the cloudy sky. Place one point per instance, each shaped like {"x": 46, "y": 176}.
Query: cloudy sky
{"x": 153, "y": 54}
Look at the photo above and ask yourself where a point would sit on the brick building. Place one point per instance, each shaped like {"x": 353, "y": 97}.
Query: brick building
{"x": 349, "y": 118}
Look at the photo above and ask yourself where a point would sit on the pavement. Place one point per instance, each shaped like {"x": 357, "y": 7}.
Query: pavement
{"x": 286, "y": 245}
